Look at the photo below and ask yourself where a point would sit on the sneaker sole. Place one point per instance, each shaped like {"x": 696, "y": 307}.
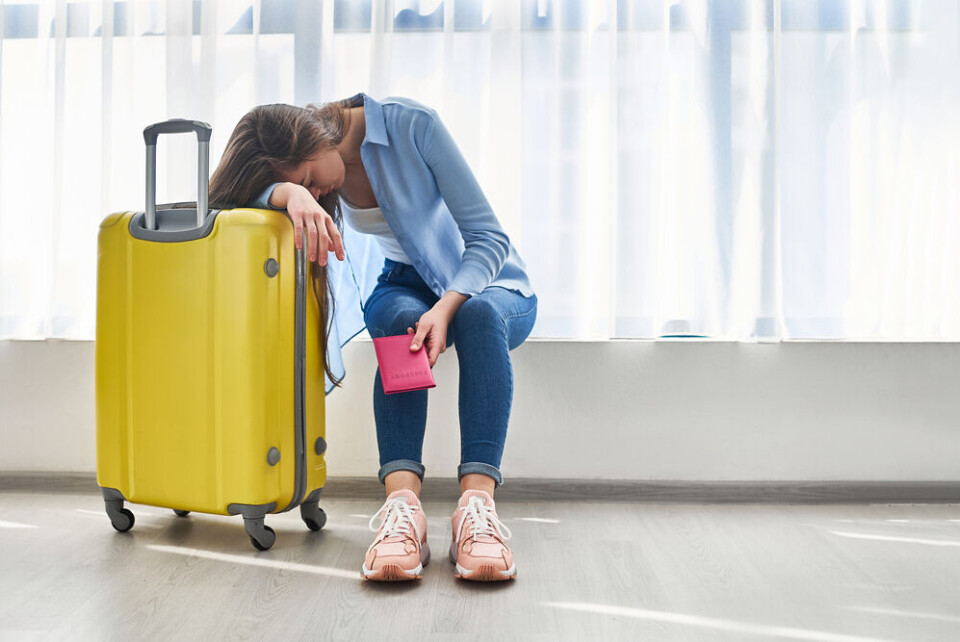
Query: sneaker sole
{"x": 395, "y": 572}
{"x": 485, "y": 573}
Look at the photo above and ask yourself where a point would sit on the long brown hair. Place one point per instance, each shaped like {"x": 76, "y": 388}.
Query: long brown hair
{"x": 271, "y": 140}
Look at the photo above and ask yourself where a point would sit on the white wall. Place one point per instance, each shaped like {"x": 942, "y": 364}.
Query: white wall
{"x": 620, "y": 410}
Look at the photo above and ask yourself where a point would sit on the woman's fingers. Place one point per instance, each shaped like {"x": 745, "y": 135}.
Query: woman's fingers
{"x": 323, "y": 242}
{"x": 428, "y": 334}
{"x": 322, "y": 233}
{"x": 423, "y": 329}
{"x": 336, "y": 240}
{"x": 298, "y": 231}
{"x": 323, "y": 236}
{"x": 319, "y": 239}
{"x": 312, "y": 235}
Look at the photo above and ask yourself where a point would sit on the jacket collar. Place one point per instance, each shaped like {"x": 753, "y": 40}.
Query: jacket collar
{"x": 376, "y": 128}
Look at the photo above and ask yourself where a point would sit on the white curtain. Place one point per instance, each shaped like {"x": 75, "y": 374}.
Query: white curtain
{"x": 739, "y": 170}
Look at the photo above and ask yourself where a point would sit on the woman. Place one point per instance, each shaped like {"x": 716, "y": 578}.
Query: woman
{"x": 450, "y": 276}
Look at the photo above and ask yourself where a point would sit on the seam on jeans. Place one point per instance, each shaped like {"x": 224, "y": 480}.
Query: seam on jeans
{"x": 525, "y": 314}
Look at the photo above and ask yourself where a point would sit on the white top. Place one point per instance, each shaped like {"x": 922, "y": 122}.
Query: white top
{"x": 371, "y": 221}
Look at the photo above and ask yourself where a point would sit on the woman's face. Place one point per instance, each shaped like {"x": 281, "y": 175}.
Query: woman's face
{"x": 321, "y": 174}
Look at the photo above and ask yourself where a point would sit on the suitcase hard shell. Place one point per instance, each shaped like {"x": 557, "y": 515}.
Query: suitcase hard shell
{"x": 209, "y": 370}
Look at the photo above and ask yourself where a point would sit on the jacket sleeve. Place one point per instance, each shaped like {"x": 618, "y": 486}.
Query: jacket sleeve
{"x": 263, "y": 202}
{"x": 486, "y": 244}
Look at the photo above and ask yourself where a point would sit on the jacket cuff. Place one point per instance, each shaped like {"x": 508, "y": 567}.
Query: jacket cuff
{"x": 470, "y": 280}
{"x": 263, "y": 202}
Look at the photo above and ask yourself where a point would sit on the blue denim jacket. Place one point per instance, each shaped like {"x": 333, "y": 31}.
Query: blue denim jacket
{"x": 433, "y": 205}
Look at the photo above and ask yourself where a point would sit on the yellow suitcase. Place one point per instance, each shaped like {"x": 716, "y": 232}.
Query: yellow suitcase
{"x": 209, "y": 370}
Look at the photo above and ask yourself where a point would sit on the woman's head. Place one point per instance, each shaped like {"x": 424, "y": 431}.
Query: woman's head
{"x": 321, "y": 175}
{"x": 278, "y": 143}
{"x": 282, "y": 143}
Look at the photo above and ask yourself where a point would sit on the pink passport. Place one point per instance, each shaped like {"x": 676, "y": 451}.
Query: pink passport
{"x": 400, "y": 369}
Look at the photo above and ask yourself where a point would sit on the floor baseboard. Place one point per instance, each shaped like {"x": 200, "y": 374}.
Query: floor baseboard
{"x": 530, "y": 489}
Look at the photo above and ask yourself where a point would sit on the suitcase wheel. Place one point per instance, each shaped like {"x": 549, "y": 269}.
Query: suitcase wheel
{"x": 122, "y": 520}
{"x": 313, "y": 516}
{"x": 264, "y": 539}
{"x": 181, "y": 513}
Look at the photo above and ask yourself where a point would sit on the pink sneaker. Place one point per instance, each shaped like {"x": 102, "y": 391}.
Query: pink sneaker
{"x": 400, "y": 551}
{"x": 478, "y": 547}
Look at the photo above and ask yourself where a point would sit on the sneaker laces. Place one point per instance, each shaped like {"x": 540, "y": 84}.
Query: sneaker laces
{"x": 397, "y": 519}
{"x": 483, "y": 520}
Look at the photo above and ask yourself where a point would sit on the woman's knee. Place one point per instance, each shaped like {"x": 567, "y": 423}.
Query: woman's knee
{"x": 393, "y": 320}
{"x": 495, "y": 317}
{"x": 478, "y": 313}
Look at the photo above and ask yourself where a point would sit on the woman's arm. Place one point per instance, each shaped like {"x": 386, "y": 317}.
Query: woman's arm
{"x": 306, "y": 213}
{"x": 263, "y": 203}
{"x": 276, "y": 196}
{"x": 450, "y": 302}
{"x": 486, "y": 244}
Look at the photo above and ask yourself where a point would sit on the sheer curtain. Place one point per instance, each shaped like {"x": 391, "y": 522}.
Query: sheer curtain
{"x": 739, "y": 170}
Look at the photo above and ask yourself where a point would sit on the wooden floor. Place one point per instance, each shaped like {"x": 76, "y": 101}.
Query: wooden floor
{"x": 587, "y": 571}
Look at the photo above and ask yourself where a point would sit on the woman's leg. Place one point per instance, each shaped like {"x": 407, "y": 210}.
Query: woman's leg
{"x": 486, "y": 327}
{"x": 397, "y": 303}
{"x": 400, "y": 549}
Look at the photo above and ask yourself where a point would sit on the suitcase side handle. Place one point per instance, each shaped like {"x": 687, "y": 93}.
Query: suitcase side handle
{"x": 178, "y": 126}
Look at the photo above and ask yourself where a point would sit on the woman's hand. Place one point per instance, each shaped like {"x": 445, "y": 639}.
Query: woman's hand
{"x": 306, "y": 213}
{"x": 431, "y": 328}
{"x": 433, "y": 325}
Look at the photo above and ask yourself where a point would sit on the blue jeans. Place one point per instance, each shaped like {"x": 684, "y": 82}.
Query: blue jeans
{"x": 485, "y": 328}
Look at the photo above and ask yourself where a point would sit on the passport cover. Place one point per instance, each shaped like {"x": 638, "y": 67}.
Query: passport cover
{"x": 400, "y": 369}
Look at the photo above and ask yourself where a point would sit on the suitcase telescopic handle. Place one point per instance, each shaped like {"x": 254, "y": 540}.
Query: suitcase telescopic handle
{"x": 178, "y": 126}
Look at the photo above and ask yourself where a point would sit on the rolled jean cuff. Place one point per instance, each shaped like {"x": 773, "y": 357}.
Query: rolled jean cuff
{"x": 482, "y": 468}
{"x": 401, "y": 464}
